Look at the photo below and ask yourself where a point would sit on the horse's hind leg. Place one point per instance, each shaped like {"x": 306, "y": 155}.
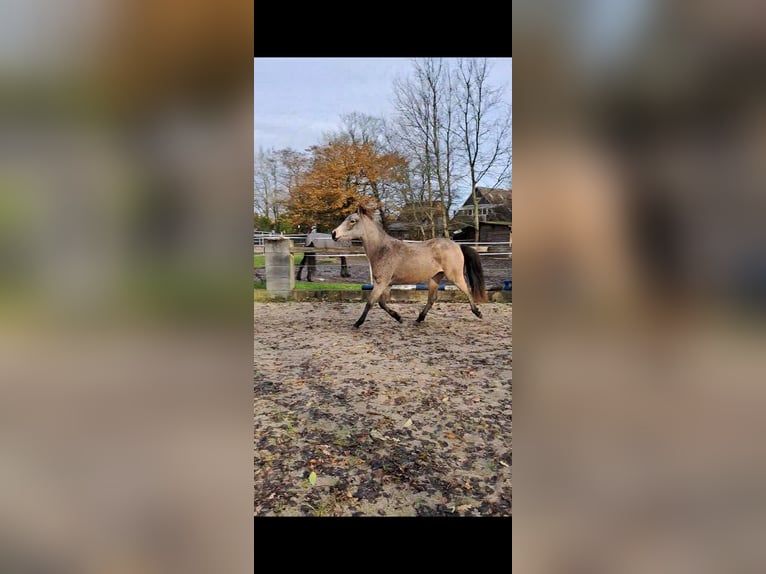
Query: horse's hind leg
{"x": 463, "y": 286}
{"x": 385, "y": 307}
{"x": 433, "y": 289}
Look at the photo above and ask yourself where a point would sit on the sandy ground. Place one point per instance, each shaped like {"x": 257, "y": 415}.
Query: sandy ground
{"x": 389, "y": 419}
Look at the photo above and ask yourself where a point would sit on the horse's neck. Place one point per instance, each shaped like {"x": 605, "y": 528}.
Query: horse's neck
{"x": 374, "y": 239}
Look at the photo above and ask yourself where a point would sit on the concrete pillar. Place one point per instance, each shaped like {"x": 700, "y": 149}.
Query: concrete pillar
{"x": 280, "y": 268}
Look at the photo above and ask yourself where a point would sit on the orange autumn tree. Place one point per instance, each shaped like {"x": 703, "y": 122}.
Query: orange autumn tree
{"x": 341, "y": 175}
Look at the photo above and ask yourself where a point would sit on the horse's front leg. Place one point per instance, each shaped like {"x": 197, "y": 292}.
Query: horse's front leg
{"x": 377, "y": 291}
{"x": 386, "y": 308}
{"x": 362, "y": 318}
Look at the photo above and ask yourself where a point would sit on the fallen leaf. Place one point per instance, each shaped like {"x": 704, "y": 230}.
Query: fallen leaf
{"x": 313, "y": 478}
{"x": 450, "y": 435}
{"x": 463, "y": 507}
{"x": 408, "y": 423}
{"x": 377, "y": 435}
{"x": 504, "y": 463}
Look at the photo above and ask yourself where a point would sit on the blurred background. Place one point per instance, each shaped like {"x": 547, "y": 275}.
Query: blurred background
{"x": 125, "y": 286}
{"x": 639, "y": 174}
{"x": 126, "y": 278}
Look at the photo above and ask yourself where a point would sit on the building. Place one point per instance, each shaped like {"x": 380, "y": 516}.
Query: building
{"x": 414, "y": 222}
{"x": 495, "y": 217}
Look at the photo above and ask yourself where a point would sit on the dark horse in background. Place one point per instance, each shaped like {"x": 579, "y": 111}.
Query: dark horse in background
{"x": 321, "y": 241}
{"x": 395, "y": 262}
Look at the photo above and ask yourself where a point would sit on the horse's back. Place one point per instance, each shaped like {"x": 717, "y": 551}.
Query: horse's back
{"x": 443, "y": 246}
{"x": 440, "y": 241}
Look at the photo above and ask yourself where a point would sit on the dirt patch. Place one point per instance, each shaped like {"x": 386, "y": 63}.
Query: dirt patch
{"x": 389, "y": 419}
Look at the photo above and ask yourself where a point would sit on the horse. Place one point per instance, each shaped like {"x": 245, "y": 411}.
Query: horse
{"x": 321, "y": 241}
{"x": 395, "y": 262}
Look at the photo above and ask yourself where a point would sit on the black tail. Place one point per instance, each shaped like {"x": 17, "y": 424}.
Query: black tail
{"x": 474, "y": 272}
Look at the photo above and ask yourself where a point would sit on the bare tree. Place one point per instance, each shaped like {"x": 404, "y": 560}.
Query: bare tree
{"x": 484, "y": 128}
{"x": 275, "y": 173}
{"x": 262, "y": 184}
{"x": 292, "y": 165}
{"x": 413, "y": 109}
{"x": 439, "y": 90}
{"x": 364, "y": 129}
{"x": 425, "y": 109}
{"x": 451, "y": 175}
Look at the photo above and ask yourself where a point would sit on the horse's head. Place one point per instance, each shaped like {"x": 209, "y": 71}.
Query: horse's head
{"x": 351, "y": 228}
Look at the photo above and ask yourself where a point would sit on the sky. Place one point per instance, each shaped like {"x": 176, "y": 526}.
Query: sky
{"x": 298, "y": 99}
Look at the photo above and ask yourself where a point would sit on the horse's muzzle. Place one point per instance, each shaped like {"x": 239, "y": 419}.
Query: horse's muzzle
{"x": 333, "y": 235}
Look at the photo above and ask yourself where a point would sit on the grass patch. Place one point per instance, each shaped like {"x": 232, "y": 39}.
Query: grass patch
{"x": 259, "y": 261}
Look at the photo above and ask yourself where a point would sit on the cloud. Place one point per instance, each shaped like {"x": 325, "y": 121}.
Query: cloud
{"x": 298, "y": 131}
{"x": 296, "y": 100}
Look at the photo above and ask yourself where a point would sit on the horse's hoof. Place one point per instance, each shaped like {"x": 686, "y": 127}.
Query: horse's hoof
{"x": 420, "y": 319}
{"x": 477, "y": 313}
{"x": 398, "y": 318}
{"x": 357, "y": 324}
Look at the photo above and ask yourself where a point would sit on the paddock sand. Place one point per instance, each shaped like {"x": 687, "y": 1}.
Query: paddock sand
{"x": 392, "y": 419}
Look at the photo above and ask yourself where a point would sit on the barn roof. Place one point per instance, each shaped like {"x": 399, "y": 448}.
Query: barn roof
{"x": 500, "y": 201}
{"x": 495, "y": 196}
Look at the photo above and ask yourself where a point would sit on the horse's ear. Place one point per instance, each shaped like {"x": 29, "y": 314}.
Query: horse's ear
{"x": 364, "y": 210}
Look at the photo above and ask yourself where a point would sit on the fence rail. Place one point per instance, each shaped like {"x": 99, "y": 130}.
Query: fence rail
{"x": 299, "y": 239}
{"x": 496, "y": 258}
{"x": 259, "y": 236}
